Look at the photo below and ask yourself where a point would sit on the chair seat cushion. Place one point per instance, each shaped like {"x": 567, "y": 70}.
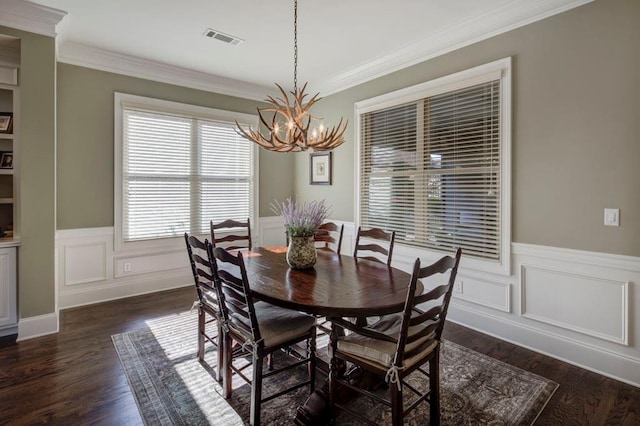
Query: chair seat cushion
{"x": 280, "y": 325}
{"x": 380, "y": 351}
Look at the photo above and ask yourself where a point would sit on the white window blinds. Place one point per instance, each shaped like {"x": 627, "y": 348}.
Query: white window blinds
{"x": 180, "y": 172}
{"x": 430, "y": 170}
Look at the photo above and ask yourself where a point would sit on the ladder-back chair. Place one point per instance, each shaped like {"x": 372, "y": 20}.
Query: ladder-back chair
{"x": 383, "y": 245}
{"x": 260, "y": 326}
{"x": 398, "y": 345}
{"x": 239, "y": 239}
{"x": 208, "y": 306}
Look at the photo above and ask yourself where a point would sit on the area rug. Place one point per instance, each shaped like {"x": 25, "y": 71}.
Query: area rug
{"x": 171, "y": 387}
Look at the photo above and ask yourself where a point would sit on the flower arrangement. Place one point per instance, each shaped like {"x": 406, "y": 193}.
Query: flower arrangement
{"x": 301, "y": 219}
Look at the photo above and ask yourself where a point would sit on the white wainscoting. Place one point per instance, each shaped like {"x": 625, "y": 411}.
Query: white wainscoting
{"x": 602, "y": 294}
{"x": 572, "y": 305}
{"x": 580, "y": 307}
{"x": 89, "y": 271}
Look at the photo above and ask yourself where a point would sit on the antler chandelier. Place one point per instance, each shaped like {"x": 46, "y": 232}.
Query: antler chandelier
{"x": 292, "y": 127}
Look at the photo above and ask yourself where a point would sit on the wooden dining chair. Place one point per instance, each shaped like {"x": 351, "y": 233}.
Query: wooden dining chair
{"x": 260, "y": 326}
{"x": 209, "y": 311}
{"x": 378, "y": 245}
{"x": 329, "y": 237}
{"x": 398, "y": 345}
{"x": 237, "y": 234}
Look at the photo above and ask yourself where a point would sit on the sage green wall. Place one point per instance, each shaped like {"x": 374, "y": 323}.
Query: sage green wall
{"x": 85, "y": 142}
{"x": 37, "y": 173}
{"x": 576, "y": 126}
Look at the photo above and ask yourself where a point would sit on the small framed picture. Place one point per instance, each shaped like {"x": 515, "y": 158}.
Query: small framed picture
{"x": 6, "y": 122}
{"x": 6, "y": 161}
{"x": 320, "y": 168}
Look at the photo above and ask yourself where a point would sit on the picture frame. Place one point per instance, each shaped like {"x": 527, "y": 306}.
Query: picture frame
{"x": 6, "y": 122}
{"x": 6, "y": 161}
{"x": 320, "y": 168}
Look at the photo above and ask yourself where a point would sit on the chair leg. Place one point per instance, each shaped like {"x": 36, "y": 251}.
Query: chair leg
{"x": 256, "y": 388}
{"x": 336, "y": 370}
{"x": 311, "y": 353}
{"x": 397, "y": 417}
{"x": 201, "y": 333}
{"x": 220, "y": 341}
{"x": 333, "y": 389}
{"x": 434, "y": 385}
{"x": 226, "y": 349}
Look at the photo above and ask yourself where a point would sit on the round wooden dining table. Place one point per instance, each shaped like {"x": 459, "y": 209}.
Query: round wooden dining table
{"x": 337, "y": 286}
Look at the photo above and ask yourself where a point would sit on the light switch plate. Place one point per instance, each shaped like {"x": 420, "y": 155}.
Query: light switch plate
{"x": 612, "y": 217}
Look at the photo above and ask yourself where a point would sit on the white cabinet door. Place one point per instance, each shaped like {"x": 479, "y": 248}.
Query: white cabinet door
{"x": 8, "y": 296}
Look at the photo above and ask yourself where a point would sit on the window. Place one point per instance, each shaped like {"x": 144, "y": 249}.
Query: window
{"x": 177, "y": 168}
{"x": 434, "y": 164}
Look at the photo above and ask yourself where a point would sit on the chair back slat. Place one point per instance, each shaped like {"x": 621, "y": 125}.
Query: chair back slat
{"x": 433, "y": 294}
{"x": 205, "y": 274}
{"x": 234, "y": 293}
{"x": 329, "y": 236}
{"x": 231, "y": 228}
{"x": 429, "y": 324}
{"x": 383, "y": 245}
{"x": 374, "y": 247}
{"x": 427, "y": 331}
{"x": 201, "y": 269}
{"x": 441, "y": 266}
{"x": 428, "y": 315}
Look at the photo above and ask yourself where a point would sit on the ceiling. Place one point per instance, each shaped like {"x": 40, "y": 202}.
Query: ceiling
{"x": 341, "y": 42}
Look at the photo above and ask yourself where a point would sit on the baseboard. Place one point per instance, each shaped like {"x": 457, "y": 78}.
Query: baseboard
{"x": 8, "y": 331}
{"x": 31, "y": 327}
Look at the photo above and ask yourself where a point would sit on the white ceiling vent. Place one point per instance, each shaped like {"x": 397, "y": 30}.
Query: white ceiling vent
{"x": 226, "y": 38}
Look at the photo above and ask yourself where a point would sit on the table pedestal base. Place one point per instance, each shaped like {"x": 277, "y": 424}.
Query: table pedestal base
{"x": 315, "y": 410}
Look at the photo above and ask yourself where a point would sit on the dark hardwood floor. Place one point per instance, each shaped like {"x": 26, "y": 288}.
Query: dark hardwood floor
{"x": 75, "y": 378}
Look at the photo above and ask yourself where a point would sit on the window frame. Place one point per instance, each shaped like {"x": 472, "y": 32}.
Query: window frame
{"x": 124, "y": 100}
{"x": 500, "y": 69}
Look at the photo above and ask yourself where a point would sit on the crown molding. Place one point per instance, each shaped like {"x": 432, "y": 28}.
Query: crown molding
{"x": 104, "y": 60}
{"x": 26, "y": 16}
{"x": 511, "y": 16}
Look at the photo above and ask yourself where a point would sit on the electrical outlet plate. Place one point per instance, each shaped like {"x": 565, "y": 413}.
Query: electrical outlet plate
{"x": 612, "y": 217}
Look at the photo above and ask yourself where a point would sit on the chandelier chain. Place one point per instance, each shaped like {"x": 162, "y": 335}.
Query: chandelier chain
{"x": 295, "y": 45}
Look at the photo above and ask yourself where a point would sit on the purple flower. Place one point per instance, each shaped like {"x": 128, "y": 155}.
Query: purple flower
{"x": 301, "y": 219}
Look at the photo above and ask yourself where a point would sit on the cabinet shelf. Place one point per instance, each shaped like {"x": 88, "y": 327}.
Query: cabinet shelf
{"x": 6, "y": 171}
{"x": 6, "y": 200}
{"x": 6, "y": 135}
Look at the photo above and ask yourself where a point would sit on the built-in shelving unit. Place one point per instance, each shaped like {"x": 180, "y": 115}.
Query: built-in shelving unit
{"x": 8, "y": 160}
{"x": 9, "y": 183}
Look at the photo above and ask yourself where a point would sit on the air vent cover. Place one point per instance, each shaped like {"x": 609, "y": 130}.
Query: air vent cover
{"x": 225, "y": 38}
